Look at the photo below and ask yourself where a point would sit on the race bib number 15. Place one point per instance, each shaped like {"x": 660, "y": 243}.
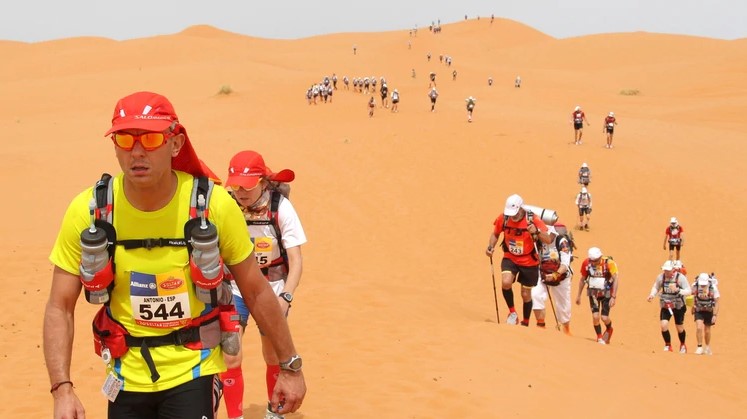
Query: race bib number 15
{"x": 263, "y": 250}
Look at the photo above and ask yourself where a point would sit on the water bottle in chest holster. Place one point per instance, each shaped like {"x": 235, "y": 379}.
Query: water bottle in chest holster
{"x": 97, "y": 245}
{"x": 205, "y": 263}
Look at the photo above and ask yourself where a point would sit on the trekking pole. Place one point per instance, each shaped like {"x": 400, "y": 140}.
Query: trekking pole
{"x": 552, "y": 305}
{"x": 495, "y": 293}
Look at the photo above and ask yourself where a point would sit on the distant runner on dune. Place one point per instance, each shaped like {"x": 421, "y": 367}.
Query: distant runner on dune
{"x": 609, "y": 128}
{"x": 470, "y": 107}
{"x": 433, "y": 94}
{"x": 577, "y": 119}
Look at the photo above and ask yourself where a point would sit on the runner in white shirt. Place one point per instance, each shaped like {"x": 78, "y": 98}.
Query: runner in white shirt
{"x": 277, "y": 234}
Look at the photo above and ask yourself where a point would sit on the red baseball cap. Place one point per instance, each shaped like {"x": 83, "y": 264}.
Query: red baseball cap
{"x": 153, "y": 112}
{"x": 248, "y": 167}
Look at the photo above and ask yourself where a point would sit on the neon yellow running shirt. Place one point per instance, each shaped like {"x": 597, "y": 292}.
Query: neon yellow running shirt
{"x": 153, "y": 293}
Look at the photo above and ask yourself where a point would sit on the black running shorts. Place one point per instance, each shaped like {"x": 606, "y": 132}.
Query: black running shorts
{"x": 196, "y": 399}
{"x": 528, "y": 275}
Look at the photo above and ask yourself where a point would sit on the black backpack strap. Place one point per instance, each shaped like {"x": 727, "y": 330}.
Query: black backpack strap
{"x": 103, "y": 194}
{"x": 152, "y": 242}
{"x": 200, "y": 186}
{"x": 274, "y": 207}
{"x": 504, "y": 246}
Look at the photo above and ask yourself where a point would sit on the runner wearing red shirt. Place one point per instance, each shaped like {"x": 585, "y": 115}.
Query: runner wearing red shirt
{"x": 520, "y": 230}
{"x": 601, "y": 275}
{"x": 577, "y": 118}
{"x": 609, "y": 128}
{"x": 674, "y": 236}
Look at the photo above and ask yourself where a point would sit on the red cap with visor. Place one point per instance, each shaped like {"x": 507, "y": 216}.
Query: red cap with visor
{"x": 153, "y": 112}
{"x": 248, "y": 167}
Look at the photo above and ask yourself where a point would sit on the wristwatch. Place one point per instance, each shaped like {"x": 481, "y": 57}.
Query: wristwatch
{"x": 293, "y": 364}
{"x": 288, "y": 297}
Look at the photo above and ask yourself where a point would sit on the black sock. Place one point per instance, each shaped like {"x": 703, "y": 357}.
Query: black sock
{"x": 508, "y": 295}
{"x": 598, "y": 329}
{"x": 681, "y": 335}
{"x": 527, "y": 310}
{"x": 608, "y": 326}
{"x": 667, "y": 337}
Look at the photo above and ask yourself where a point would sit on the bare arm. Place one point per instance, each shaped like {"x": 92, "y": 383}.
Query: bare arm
{"x": 715, "y": 311}
{"x": 613, "y": 291}
{"x": 295, "y": 269}
{"x": 492, "y": 240}
{"x": 262, "y": 303}
{"x": 615, "y": 283}
{"x": 581, "y": 285}
{"x": 59, "y": 325}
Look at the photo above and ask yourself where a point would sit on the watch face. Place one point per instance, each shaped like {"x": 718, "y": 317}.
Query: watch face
{"x": 286, "y": 296}
{"x": 296, "y": 364}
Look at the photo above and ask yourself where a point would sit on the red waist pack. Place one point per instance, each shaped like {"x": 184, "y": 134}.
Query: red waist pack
{"x": 108, "y": 333}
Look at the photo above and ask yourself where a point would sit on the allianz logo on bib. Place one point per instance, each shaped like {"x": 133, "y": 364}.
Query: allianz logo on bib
{"x": 150, "y": 285}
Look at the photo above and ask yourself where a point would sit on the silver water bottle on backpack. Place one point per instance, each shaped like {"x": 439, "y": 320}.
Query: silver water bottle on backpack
{"x": 206, "y": 256}
{"x": 548, "y": 216}
{"x": 94, "y": 257}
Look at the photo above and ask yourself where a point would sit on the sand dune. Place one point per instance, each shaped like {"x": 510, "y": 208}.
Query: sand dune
{"x": 395, "y": 316}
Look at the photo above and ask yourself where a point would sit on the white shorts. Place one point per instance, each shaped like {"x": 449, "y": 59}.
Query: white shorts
{"x": 561, "y": 298}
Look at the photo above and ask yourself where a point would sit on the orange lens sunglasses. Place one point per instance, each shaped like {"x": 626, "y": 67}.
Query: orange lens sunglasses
{"x": 149, "y": 140}
{"x": 235, "y": 188}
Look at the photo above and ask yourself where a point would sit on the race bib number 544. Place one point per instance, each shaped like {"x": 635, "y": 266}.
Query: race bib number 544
{"x": 160, "y": 300}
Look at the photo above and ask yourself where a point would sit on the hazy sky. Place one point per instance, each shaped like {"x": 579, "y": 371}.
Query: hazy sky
{"x": 40, "y": 20}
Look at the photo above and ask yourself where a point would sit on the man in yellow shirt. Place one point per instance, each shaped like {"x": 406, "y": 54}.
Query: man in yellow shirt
{"x": 167, "y": 363}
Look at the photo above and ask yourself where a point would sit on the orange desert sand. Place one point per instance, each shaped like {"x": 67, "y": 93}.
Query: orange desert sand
{"x": 395, "y": 316}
